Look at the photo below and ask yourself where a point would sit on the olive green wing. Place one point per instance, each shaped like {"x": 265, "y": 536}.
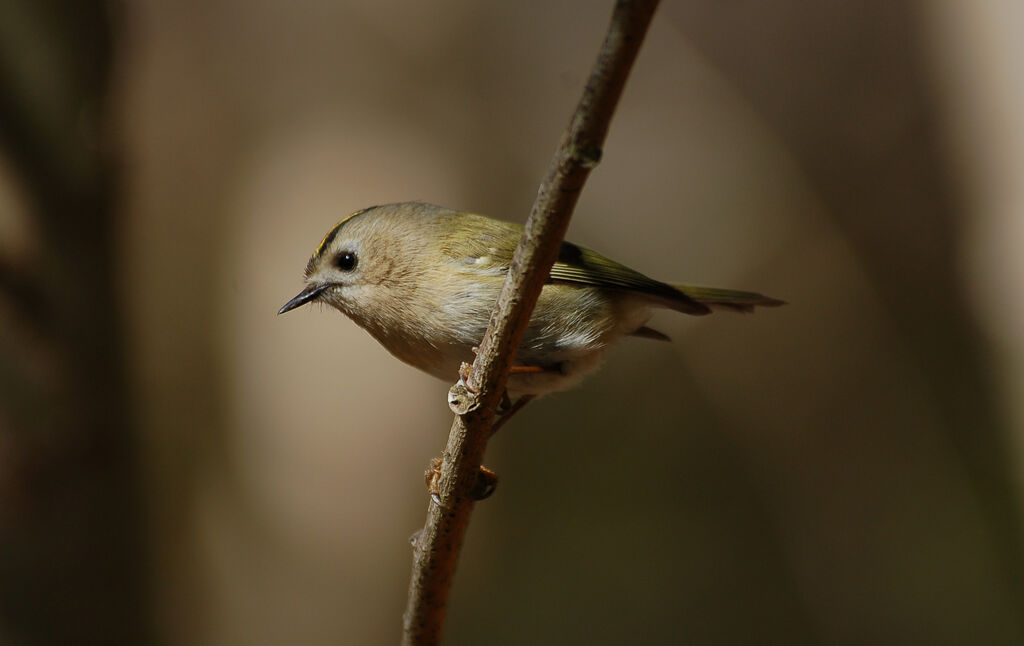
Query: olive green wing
{"x": 583, "y": 266}
{"x": 479, "y": 242}
{"x": 487, "y": 245}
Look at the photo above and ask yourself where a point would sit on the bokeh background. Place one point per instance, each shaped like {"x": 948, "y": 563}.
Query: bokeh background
{"x": 178, "y": 465}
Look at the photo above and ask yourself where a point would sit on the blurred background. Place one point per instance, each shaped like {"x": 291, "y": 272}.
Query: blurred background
{"x": 178, "y": 465}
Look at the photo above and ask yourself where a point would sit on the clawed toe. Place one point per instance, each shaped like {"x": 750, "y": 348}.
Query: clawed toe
{"x": 432, "y": 477}
{"x": 486, "y": 482}
{"x": 464, "y": 370}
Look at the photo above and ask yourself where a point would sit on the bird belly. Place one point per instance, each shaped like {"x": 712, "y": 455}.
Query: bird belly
{"x": 569, "y": 332}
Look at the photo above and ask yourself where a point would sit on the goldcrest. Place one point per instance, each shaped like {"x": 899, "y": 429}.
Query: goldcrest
{"x": 423, "y": 279}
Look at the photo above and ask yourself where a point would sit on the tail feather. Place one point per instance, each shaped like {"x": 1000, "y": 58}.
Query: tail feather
{"x": 729, "y": 299}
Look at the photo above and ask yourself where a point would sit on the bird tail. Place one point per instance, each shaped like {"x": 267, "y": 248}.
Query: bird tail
{"x": 728, "y": 299}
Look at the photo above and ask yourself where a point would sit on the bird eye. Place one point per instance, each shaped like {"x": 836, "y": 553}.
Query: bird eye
{"x": 346, "y": 261}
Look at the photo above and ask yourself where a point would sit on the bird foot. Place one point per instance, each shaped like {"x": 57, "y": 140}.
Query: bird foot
{"x": 486, "y": 482}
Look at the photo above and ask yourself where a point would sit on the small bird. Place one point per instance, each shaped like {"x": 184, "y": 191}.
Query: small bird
{"x": 423, "y": 279}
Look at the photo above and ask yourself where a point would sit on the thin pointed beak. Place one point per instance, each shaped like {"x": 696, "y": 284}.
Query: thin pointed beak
{"x": 311, "y": 293}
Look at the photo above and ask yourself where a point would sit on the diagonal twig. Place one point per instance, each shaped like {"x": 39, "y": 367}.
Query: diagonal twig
{"x": 436, "y": 547}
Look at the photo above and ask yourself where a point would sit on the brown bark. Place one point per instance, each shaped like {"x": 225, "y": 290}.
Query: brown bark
{"x": 437, "y": 546}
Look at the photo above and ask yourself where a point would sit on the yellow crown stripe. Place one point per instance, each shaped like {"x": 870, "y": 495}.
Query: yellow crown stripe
{"x": 334, "y": 231}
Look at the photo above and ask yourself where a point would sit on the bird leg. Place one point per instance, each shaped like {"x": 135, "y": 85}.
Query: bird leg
{"x": 526, "y": 370}
{"x": 465, "y": 369}
{"x": 507, "y": 408}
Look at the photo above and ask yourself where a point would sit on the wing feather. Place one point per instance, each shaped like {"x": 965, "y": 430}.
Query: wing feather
{"x": 488, "y": 245}
{"x": 584, "y": 266}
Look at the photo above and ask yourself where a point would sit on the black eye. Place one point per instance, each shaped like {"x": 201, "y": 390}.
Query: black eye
{"x": 346, "y": 261}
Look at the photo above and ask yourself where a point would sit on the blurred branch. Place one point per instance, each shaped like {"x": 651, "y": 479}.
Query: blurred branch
{"x": 71, "y": 526}
{"x": 878, "y": 161}
{"x": 437, "y": 546}
{"x": 25, "y": 298}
